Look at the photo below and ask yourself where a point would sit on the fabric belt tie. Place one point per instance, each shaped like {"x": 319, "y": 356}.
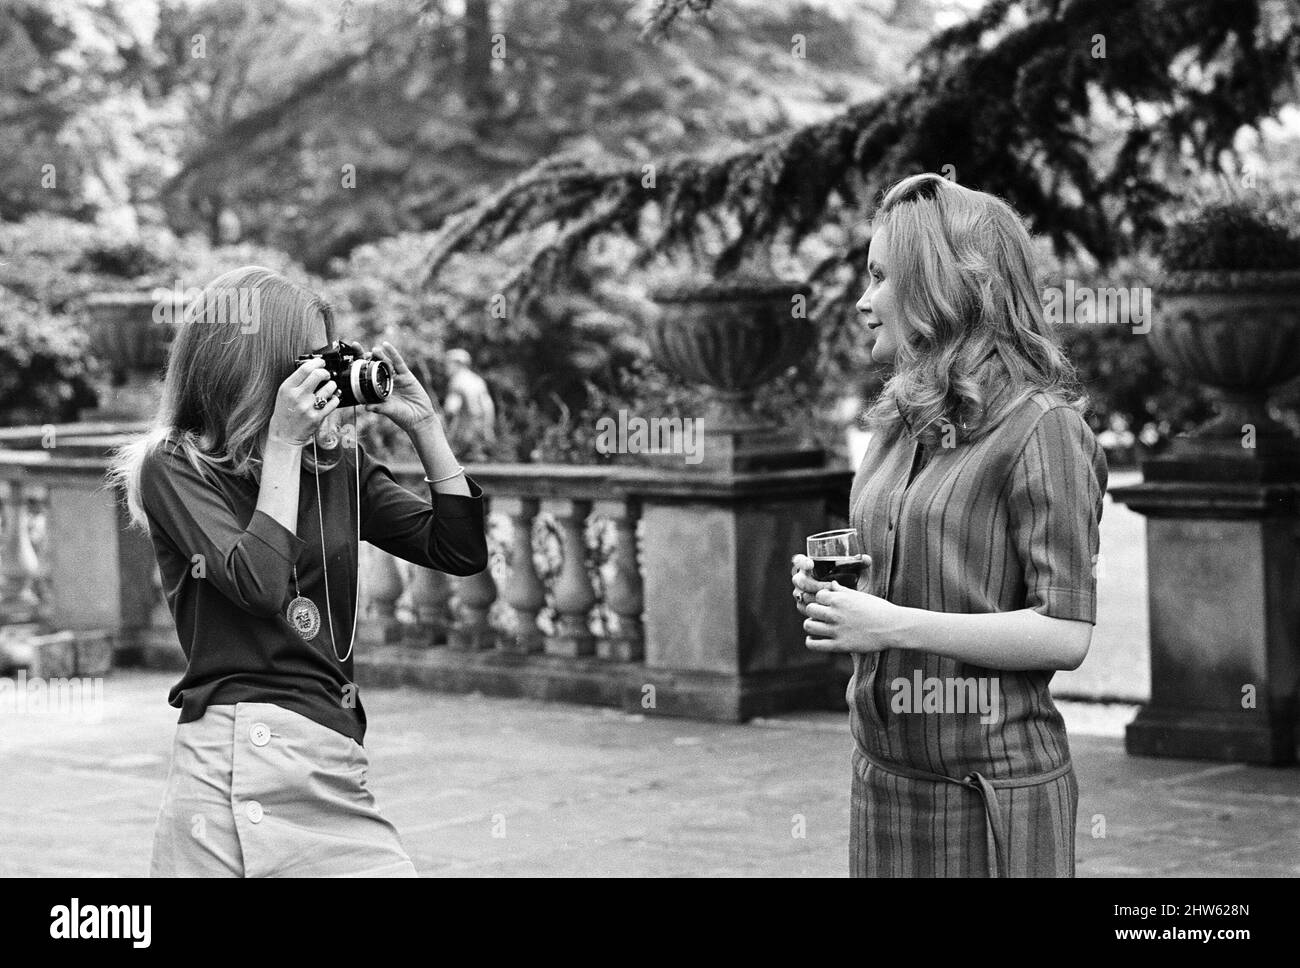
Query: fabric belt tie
{"x": 977, "y": 781}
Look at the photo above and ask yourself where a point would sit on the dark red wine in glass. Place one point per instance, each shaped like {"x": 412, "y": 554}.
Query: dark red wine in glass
{"x": 846, "y": 571}
{"x": 837, "y": 556}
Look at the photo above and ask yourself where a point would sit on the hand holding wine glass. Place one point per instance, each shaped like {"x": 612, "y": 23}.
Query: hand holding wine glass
{"x": 833, "y": 556}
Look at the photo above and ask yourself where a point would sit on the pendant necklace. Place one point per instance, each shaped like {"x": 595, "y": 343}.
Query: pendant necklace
{"x": 302, "y": 613}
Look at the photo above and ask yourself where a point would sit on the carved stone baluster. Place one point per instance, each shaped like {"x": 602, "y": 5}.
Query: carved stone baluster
{"x": 404, "y": 607}
{"x": 471, "y": 606}
{"x": 574, "y": 595}
{"x": 471, "y": 601}
{"x": 524, "y": 591}
{"x": 9, "y": 580}
{"x": 8, "y": 577}
{"x": 20, "y": 566}
{"x": 624, "y": 596}
{"x": 431, "y": 599}
{"x": 35, "y": 549}
{"x": 382, "y": 583}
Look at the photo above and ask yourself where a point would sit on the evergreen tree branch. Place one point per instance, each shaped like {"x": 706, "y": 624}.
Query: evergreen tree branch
{"x": 1005, "y": 99}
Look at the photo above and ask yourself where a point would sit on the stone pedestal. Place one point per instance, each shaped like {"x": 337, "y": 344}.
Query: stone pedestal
{"x": 723, "y": 639}
{"x": 758, "y": 447}
{"x": 139, "y": 395}
{"x": 1223, "y": 573}
{"x": 101, "y": 573}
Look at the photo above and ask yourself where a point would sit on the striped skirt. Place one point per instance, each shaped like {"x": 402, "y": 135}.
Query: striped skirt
{"x": 258, "y": 791}
{"x": 907, "y": 823}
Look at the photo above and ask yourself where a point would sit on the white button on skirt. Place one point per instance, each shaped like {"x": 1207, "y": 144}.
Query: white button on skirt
{"x": 258, "y": 791}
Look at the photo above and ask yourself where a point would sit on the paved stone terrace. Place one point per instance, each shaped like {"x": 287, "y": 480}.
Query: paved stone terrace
{"x": 587, "y": 791}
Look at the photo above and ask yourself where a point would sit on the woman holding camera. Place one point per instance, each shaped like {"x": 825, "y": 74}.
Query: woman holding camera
{"x": 256, "y": 505}
{"x": 978, "y": 500}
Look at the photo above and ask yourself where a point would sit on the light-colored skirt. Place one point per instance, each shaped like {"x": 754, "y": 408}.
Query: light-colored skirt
{"x": 258, "y": 791}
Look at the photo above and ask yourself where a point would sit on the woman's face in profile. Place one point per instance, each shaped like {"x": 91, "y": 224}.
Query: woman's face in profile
{"x": 879, "y": 304}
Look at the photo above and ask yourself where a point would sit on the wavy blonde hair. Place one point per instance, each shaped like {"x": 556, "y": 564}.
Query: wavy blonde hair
{"x": 976, "y": 341}
{"x": 223, "y": 375}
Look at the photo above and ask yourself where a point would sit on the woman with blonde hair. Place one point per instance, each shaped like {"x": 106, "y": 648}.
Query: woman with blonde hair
{"x": 978, "y": 501}
{"x": 256, "y": 505}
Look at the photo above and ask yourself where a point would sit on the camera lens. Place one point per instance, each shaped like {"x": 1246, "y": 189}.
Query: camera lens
{"x": 372, "y": 381}
{"x": 383, "y": 379}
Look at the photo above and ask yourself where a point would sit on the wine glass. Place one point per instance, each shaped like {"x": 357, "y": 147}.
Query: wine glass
{"x": 837, "y": 556}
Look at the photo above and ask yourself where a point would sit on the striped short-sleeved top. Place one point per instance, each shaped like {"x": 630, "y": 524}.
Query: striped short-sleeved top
{"x": 1002, "y": 523}
{"x": 1006, "y": 522}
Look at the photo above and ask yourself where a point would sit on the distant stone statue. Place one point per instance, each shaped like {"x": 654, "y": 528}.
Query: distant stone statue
{"x": 471, "y": 414}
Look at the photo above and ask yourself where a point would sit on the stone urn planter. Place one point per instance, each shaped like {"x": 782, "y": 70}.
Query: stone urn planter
{"x": 125, "y": 336}
{"x": 1223, "y": 505}
{"x": 1237, "y": 332}
{"x": 731, "y": 337}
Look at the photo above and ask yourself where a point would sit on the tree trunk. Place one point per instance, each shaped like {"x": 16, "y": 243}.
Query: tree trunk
{"x": 476, "y": 63}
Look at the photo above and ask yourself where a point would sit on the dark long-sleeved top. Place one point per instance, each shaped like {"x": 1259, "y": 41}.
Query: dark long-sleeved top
{"x": 227, "y": 571}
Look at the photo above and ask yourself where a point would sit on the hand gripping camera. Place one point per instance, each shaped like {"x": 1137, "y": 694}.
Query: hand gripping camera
{"x": 359, "y": 376}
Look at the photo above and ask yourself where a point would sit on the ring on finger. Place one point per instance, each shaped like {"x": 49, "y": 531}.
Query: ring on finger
{"x": 320, "y": 403}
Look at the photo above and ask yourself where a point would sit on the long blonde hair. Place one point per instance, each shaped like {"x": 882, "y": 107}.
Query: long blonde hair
{"x": 976, "y": 339}
{"x": 233, "y": 348}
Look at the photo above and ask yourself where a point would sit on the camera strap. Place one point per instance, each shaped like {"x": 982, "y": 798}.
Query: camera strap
{"x": 320, "y": 514}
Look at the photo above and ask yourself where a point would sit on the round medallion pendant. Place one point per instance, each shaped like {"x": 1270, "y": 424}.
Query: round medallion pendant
{"x": 328, "y": 438}
{"x": 304, "y": 616}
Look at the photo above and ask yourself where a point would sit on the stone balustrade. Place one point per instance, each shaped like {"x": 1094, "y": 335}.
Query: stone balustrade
{"x": 622, "y": 585}
{"x": 24, "y": 558}
{"x": 564, "y": 580}
{"x": 639, "y": 587}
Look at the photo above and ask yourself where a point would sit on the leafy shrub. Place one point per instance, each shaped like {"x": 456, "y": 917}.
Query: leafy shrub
{"x": 549, "y": 365}
{"x": 44, "y": 376}
{"x": 58, "y": 261}
{"x": 49, "y": 264}
{"x": 1231, "y": 234}
{"x": 126, "y": 260}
